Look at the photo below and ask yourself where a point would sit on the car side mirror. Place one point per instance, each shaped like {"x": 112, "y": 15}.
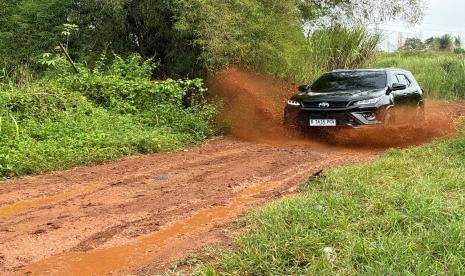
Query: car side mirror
{"x": 398, "y": 86}
{"x": 304, "y": 88}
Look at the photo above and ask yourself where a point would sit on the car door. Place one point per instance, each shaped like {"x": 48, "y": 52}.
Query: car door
{"x": 400, "y": 96}
{"x": 417, "y": 92}
{"x": 410, "y": 94}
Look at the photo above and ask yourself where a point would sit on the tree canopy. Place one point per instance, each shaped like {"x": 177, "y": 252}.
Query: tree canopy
{"x": 186, "y": 36}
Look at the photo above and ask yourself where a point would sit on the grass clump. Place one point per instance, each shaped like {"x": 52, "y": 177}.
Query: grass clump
{"x": 401, "y": 214}
{"x": 442, "y": 75}
{"x": 96, "y": 116}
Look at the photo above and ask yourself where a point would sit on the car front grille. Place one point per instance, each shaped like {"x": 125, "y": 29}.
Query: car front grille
{"x": 332, "y": 104}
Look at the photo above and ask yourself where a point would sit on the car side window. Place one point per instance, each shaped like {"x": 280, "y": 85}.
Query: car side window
{"x": 403, "y": 79}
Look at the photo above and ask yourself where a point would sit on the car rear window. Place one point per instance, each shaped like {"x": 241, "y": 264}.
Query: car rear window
{"x": 344, "y": 81}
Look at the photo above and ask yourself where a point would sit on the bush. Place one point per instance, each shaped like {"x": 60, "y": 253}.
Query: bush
{"x": 459, "y": 51}
{"x": 98, "y": 115}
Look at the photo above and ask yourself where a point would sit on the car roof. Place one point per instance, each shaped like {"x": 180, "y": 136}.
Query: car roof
{"x": 369, "y": 70}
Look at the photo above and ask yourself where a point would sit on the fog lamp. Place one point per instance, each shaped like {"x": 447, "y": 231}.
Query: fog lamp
{"x": 370, "y": 116}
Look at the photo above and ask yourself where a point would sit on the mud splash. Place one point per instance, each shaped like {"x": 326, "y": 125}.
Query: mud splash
{"x": 254, "y": 104}
{"x": 115, "y": 259}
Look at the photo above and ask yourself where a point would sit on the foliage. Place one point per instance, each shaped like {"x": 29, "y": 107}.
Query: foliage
{"x": 442, "y": 75}
{"x": 400, "y": 214}
{"x": 341, "y": 48}
{"x": 29, "y": 28}
{"x": 443, "y": 43}
{"x": 263, "y": 35}
{"x": 186, "y": 37}
{"x": 349, "y": 12}
{"x": 97, "y": 115}
{"x": 413, "y": 44}
{"x": 459, "y": 51}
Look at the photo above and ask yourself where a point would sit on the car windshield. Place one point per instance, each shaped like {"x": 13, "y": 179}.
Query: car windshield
{"x": 345, "y": 81}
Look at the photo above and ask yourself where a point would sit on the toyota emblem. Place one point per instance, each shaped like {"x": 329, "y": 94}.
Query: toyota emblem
{"x": 323, "y": 105}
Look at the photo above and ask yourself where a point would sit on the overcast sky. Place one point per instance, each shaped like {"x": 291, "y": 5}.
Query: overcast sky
{"x": 441, "y": 17}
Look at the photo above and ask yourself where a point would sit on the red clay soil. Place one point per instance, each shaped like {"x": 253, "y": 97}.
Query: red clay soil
{"x": 144, "y": 210}
{"x": 142, "y": 213}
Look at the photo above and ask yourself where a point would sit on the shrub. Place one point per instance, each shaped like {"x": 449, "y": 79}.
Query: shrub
{"x": 98, "y": 115}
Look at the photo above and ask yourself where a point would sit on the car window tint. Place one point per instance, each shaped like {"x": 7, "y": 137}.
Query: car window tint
{"x": 403, "y": 80}
{"x": 350, "y": 80}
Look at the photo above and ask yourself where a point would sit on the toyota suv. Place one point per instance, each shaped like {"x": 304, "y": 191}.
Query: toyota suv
{"x": 356, "y": 98}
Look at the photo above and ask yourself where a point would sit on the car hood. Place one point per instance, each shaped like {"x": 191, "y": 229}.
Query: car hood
{"x": 353, "y": 95}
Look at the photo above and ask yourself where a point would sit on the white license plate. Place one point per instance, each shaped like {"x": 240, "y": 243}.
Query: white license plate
{"x": 323, "y": 122}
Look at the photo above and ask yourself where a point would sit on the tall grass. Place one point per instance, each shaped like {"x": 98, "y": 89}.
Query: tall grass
{"x": 331, "y": 48}
{"x": 340, "y": 48}
{"x": 442, "y": 75}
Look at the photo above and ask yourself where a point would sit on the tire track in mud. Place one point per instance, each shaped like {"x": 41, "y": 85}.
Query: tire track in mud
{"x": 138, "y": 197}
{"x": 111, "y": 259}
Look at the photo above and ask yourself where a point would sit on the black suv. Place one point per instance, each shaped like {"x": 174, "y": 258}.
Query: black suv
{"x": 354, "y": 98}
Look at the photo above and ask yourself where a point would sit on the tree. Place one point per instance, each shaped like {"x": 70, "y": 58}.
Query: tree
{"x": 361, "y": 12}
{"x": 29, "y": 27}
{"x": 413, "y": 44}
{"x": 443, "y": 43}
{"x": 185, "y": 36}
{"x": 446, "y": 42}
{"x": 144, "y": 26}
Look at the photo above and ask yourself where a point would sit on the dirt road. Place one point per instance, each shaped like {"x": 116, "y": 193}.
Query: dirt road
{"x": 141, "y": 213}
{"x": 145, "y": 210}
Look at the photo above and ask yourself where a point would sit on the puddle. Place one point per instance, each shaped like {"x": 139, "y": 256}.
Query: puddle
{"x": 105, "y": 261}
{"x": 23, "y": 206}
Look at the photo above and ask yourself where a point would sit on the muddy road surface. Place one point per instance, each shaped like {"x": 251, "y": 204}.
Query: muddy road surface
{"x": 146, "y": 211}
{"x": 139, "y": 214}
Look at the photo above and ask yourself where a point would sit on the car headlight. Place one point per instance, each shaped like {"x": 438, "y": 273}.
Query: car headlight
{"x": 368, "y": 102}
{"x": 293, "y": 103}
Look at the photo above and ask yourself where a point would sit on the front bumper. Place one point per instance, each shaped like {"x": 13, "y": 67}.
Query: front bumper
{"x": 351, "y": 117}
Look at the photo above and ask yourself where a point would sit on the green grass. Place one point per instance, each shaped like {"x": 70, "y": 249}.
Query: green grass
{"x": 403, "y": 214}
{"x": 93, "y": 117}
{"x": 442, "y": 75}
{"x": 78, "y": 139}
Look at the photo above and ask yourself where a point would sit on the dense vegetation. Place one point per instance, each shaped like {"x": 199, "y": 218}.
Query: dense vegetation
{"x": 186, "y": 37}
{"x": 442, "y": 75}
{"x": 97, "y": 115}
{"x": 401, "y": 214}
{"x": 51, "y": 118}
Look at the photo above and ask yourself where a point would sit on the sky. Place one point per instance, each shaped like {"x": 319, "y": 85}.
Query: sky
{"x": 441, "y": 17}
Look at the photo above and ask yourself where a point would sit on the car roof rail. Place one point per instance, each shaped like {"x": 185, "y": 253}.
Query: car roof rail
{"x": 369, "y": 69}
